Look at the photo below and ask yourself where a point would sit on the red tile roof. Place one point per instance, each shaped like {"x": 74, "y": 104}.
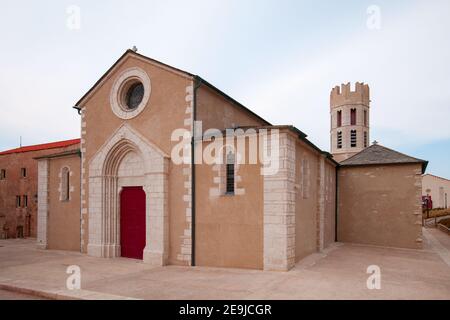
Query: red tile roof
{"x": 51, "y": 145}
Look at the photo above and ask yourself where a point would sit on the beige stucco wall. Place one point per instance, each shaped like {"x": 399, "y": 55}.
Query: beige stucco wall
{"x": 63, "y": 222}
{"x": 380, "y": 205}
{"x": 439, "y": 190}
{"x": 219, "y": 113}
{"x": 229, "y": 228}
{"x": 315, "y": 198}
{"x": 306, "y": 201}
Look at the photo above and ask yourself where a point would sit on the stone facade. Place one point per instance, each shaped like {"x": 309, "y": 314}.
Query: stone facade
{"x": 279, "y": 210}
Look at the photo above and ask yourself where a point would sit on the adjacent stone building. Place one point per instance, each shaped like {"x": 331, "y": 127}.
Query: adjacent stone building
{"x": 437, "y": 189}
{"x": 19, "y": 189}
{"x": 380, "y": 198}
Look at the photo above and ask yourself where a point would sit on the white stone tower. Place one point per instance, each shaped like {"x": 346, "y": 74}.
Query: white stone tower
{"x": 349, "y": 120}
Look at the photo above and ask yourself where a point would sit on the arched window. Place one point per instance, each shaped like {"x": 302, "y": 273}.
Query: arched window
{"x": 339, "y": 118}
{"x": 353, "y": 117}
{"x": 65, "y": 184}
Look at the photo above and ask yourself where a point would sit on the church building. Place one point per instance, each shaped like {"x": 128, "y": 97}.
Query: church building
{"x": 175, "y": 171}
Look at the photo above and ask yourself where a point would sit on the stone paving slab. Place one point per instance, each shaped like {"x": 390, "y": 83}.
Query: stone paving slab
{"x": 339, "y": 272}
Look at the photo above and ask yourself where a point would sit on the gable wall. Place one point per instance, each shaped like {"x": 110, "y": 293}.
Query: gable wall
{"x": 166, "y": 111}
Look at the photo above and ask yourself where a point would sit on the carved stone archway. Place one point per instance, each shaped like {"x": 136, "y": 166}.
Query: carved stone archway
{"x": 104, "y": 189}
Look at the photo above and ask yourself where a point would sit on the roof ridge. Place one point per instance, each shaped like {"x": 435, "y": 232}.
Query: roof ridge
{"x": 358, "y": 152}
{"x": 378, "y": 154}
{"x": 401, "y": 153}
{"x": 42, "y": 146}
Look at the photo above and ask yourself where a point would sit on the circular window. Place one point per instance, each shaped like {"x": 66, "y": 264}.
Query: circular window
{"x": 130, "y": 93}
{"x": 134, "y": 96}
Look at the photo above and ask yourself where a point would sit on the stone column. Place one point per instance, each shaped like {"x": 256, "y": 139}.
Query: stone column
{"x": 279, "y": 210}
{"x": 156, "y": 251}
{"x": 43, "y": 172}
{"x": 321, "y": 204}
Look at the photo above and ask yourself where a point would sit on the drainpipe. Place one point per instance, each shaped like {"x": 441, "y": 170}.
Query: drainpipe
{"x": 336, "y": 206}
{"x": 197, "y": 84}
{"x": 81, "y": 178}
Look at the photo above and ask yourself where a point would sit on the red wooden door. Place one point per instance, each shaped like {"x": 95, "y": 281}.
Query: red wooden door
{"x": 132, "y": 222}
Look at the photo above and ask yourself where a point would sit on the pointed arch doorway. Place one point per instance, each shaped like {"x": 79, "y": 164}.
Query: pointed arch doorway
{"x": 128, "y": 159}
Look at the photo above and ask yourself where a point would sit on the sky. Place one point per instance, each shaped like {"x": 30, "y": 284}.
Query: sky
{"x": 279, "y": 58}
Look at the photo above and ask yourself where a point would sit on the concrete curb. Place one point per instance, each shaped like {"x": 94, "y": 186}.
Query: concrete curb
{"x": 61, "y": 294}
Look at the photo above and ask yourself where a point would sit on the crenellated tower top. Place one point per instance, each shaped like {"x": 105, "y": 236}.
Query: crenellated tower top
{"x": 349, "y": 111}
{"x": 344, "y": 95}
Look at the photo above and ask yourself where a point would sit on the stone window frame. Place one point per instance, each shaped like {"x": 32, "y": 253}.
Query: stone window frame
{"x": 121, "y": 85}
{"x": 65, "y": 189}
{"x": 220, "y": 173}
{"x": 3, "y": 174}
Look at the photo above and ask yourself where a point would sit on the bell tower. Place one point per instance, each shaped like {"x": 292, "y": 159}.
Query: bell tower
{"x": 349, "y": 111}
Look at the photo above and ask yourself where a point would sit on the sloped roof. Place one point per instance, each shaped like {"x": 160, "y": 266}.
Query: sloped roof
{"x": 198, "y": 80}
{"x": 45, "y": 146}
{"x": 435, "y": 176}
{"x": 60, "y": 154}
{"x": 378, "y": 154}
